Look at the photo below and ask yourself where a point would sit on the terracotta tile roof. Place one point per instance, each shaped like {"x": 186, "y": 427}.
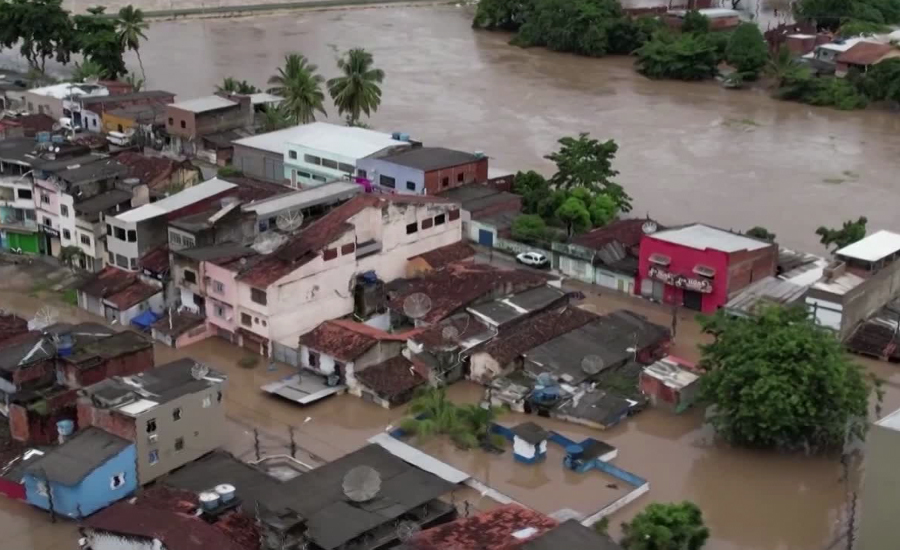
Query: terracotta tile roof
{"x": 504, "y": 528}
{"x": 152, "y": 171}
{"x": 250, "y": 189}
{"x": 459, "y": 285}
{"x": 156, "y": 260}
{"x": 35, "y": 123}
{"x": 391, "y": 378}
{"x": 530, "y": 332}
{"x": 628, "y": 232}
{"x": 108, "y": 281}
{"x": 378, "y": 334}
{"x": 182, "y": 322}
{"x": 133, "y": 294}
{"x": 440, "y": 257}
{"x": 338, "y": 341}
{"x": 864, "y": 53}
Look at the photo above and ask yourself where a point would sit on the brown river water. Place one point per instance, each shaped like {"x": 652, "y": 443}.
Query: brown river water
{"x": 688, "y": 151}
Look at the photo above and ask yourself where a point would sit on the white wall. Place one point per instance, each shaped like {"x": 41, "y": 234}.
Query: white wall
{"x": 483, "y": 367}
{"x": 91, "y": 121}
{"x": 325, "y": 365}
{"x": 522, "y": 447}
{"x": 828, "y": 314}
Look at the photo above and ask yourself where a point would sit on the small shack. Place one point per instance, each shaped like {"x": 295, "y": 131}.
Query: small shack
{"x": 671, "y": 383}
{"x": 529, "y": 442}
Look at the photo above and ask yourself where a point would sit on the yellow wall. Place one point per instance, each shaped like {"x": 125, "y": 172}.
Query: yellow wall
{"x": 111, "y": 123}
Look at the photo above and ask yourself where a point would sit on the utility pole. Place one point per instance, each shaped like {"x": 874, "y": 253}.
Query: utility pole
{"x": 256, "y": 443}
{"x": 293, "y": 442}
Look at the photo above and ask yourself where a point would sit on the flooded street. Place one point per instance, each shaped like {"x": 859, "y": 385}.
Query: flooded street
{"x": 688, "y": 151}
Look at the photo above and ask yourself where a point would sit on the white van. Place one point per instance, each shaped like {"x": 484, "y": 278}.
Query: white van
{"x": 118, "y": 138}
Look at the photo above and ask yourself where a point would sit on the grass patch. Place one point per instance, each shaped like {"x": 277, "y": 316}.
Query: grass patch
{"x": 834, "y": 181}
{"x": 248, "y": 361}
{"x": 70, "y": 296}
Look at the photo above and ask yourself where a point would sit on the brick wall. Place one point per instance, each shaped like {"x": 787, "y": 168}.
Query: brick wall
{"x": 123, "y": 365}
{"x": 88, "y": 415}
{"x": 472, "y": 172}
{"x": 35, "y": 375}
{"x": 746, "y": 267}
{"x": 512, "y": 204}
{"x": 39, "y": 427}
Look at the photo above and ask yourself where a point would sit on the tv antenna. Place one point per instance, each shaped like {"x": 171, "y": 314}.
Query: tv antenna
{"x": 417, "y": 305}
{"x": 592, "y": 364}
{"x": 361, "y": 484}
{"x": 199, "y": 371}
{"x": 289, "y": 221}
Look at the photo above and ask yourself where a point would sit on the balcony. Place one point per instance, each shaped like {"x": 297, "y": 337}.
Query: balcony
{"x": 24, "y": 226}
{"x": 367, "y": 248}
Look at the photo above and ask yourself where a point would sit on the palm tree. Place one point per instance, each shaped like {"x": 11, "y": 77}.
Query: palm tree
{"x": 782, "y": 66}
{"x": 274, "y": 118}
{"x": 357, "y": 91}
{"x": 88, "y": 70}
{"x": 234, "y": 86}
{"x": 137, "y": 84}
{"x": 434, "y": 414}
{"x": 131, "y": 32}
{"x": 300, "y": 86}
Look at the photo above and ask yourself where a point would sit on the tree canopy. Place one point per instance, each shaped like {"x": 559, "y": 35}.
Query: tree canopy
{"x": 506, "y": 15}
{"x": 232, "y": 85}
{"x": 747, "y": 50}
{"x": 131, "y": 32}
{"x": 675, "y": 526}
{"x": 574, "y": 215}
{"x": 779, "y": 380}
{"x": 42, "y": 28}
{"x": 467, "y": 425}
{"x": 98, "y": 40}
{"x": 832, "y": 14}
{"x": 299, "y": 83}
{"x": 687, "y": 56}
{"x": 586, "y": 162}
{"x": 357, "y": 91}
{"x": 759, "y": 232}
{"x": 882, "y": 82}
{"x": 529, "y": 228}
{"x": 850, "y": 232}
{"x": 695, "y": 22}
{"x": 577, "y": 26}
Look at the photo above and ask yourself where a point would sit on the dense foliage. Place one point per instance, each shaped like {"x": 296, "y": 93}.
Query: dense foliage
{"x": 759, "y": 232}
{"x": 799, "y": 84}
{"x": 695, "y": 22}
{"x": 675, "y": 526}
{"x": 232, "y": 85}
{"x": 97, "y": 38}
{"x": 850, "y": 232}
{"x": 779, "y": 380}
{"x": 832, "y": 14}
{"x": 300, "y": 84}
{"x": 747, "y": 50}
{"x": 41, "y": 28}
{"x": 586, "y": 162}
{"x": 577, "y": 26}
{"x": 357, "y": 90}
{"x": 434, "y": 414}
{"x": 687, "y": 56}
{"x": 507, "y": 15}
{"x": 882, "y": 82}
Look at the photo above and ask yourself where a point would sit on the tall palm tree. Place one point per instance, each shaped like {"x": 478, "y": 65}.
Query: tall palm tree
{"x": 131, "y": 32}
{"x": 137, "y": 83}
{"x": 301, "y": 87}
{"x": 235, "y": 86}
{"x": 357, "y": 91}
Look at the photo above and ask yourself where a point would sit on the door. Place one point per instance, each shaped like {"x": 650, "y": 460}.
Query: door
{"x": 293, "y": 178}
{"x": 485, "y": 237}
{"x": 658, "y": 289}
{"x": 693, "y": 300}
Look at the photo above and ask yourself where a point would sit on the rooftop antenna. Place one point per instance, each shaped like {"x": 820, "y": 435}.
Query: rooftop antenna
{"x": 361, "y": 484}
{"x": 417, "y": 305}
{"x": 289, "y": 221}
{"x": 592, "y": 364}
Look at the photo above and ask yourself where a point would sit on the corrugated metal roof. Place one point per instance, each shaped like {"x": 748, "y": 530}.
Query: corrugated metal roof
{"x": 321, "y": 194}
{"x": 201, "y": 104}
{"x": 177, "y": 201}
{"x": 701, "y": 237}
{"x": 872, "y": 248}
{"x": 769, "y": 290}
{"x": 417, "y": 458}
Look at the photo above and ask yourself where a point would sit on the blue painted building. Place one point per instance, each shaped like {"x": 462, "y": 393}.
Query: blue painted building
{"x": 86, "y": 473}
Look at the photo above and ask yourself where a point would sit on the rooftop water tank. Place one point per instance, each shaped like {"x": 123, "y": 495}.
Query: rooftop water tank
{"x": 403, "y": 137}
{"x": 65, "y": 427}
{"x": 209, "y": 500}
{"x": 226, "y": 492}
{"x": 43, "y": 137}
{"x": 65, "y": 345}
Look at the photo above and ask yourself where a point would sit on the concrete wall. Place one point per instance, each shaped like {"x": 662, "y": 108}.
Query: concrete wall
{"x": 881, "y": 490}
{"x": 407, "y": 181}
{"x": 35, "y": 103}
{"x": 259, "y": 164}
{"x": 123, "y": 365}
{"x": 683, "y": 261}
{"x": 437, "y": 181}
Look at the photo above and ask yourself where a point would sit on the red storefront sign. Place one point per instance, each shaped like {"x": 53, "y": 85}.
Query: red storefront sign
{"x": 680, "y": 281}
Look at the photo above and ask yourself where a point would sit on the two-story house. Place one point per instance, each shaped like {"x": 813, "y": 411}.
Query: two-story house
{"x": 61, "y": 100}
{"x": 311, "y": 277}
{"x": 93, "y": 107}
{"x": 193, "y": 124}
{"x": 18, "y": 221}
{"x": 174, "y": 414}
{"x": 425, "y": 170}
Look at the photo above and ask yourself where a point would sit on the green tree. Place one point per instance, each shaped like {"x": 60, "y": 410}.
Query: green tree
{"x": 695, "y": 23}
{"x": 627, "y": 34}
{"x": 41, "y": 28}
{"x": 675, "y": 526}
{"x": 98, "y": 40}
{"x": 747, "y": 50}
{"x": 435, "y": 414}
{"x": 533, "y": 187}
{"x": 275, "y": 118}
{"x": 301, "y": 87}
{"x": 758, "y": 232}
{"x": 882, "y": 82}
{"x": 850, "y": 232}
{"x": 137, "y": 83}
{"x": 586, "y": 162}
{"x": 550, "y": 204}
{"x": 574, "y": 215}
{"x": 131, "y": 32}
{"x": 577, "y": 26}
{"x": 831, "y": 14}
{"x": 685, "y": 57}
{"x": 603, "y": 210}
{"x": 234, "y": 86}
{"x": 779, "y": 380}
{"x": 782, "y": 66}
{"x": 529, "y": 228}
{"x": 855, "y": 27}
{"x": 507, "y": 15}
{"x": 88, "y": 70}
{"x": 357, "y": 91}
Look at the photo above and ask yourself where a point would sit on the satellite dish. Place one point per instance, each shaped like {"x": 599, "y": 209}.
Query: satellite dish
{"x": 289, "y": 221}
{"x": 450, "y": 332}
{"x": 406, "y": 530}
{"x": 417, "y": 305}
{"x": 44, "y": 317}
{"x": 266, "y": 243}
{"x": 361, "y": 484}
{"x": 592, "y": 364}
{"x": 199, "y": 371}
{"x": 649, "y": 227}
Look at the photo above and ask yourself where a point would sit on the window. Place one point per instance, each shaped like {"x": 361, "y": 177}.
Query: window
{"x": 256, "y": 320}
{"x": 109, "y": 230}
{"x": 312, "y": 159}
{"x": 154, "y": 457}
{"x": 426, "y": 224}
{"x": 190, "y": 276}
{"x": 387, "y": 181}
{"x": 171, "y": 121}
{"x": 329, "y": 254}
{"x": 258, "y": 296}
{"x": 445, "y": 182}
{"x": 313, "y": 359}
{"x": 459, "y": 177}
{"x": 183, "y": 125}
{"x": 121, "y": 261}
{"x": 24, "y": 193}
{"x": 132, "y": 236}
{"x": 306, "y": 175}
{"x": 292, "y": 155}
{"x": 207, "y": 402}
{"x": 218, "y": 287}
{"x": 85, "y": 239}
{"x": 45, "y": 198}
{"x": 219, "y": 311}
{"x": 246, "y": 320}
{"x": 412, "y": 228}
{"x": 175, "y": 238}
{"x": 67, "y": 235}
{"x": 30, "y": 215}
{"x": 439, "y": 219}
{"x": 348, "y": 248}
{"x": 48, "y": 222}
{"x": 328, "y": 163}
{"x": 319, "y": 178}
{"x": 176, "y": 414}
{"x": 151, "y": 425}
{"x": 117, "y": 481}
{"x": 133, "y": 263}
{"x": 188, "y": 242}
{"x": 362, "y": 174}
{"x": 179, "y": 443}
{"x": 64, "y": 210}
{"x": 411, "y": 185}
{"x": 348, "y": 168}
{"x": 120, "y": 233}
{"x": 218, "y": 397}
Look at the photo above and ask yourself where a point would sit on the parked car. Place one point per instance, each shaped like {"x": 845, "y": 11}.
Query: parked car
{"x": 533, "y": 259}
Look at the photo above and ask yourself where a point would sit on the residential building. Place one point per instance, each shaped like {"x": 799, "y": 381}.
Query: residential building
{"x": 320, "y": 152}
{"x": 62, "y": 100}
{"x": 173, "y": 414}
{"x": 195, "y": 125}
{"x": 309, "y": 204}
{"x": 189, "y": 271}
{"x": 19, "y": 230}
{"x": 529, "y": 442}
{"x": 571, "y": 534}
{"x": 823, "y": 59}
{"x": 310, "y": 278}
{"x": 700, "y": 267}
{"x": 506, "y": 527}
{"x": 146, "y": 124}
{"x": 25, "y": 125}
{"x": 262, "y": 156}
{"x": 312, "y": 510}
{"x": 863, "y": 55}
{"x": 88, "y": 472}
{"x": 92, "y": 108}
{"x": 880, "y": 494}
{"x": 133, "y": 233}
{"x": 439, "y": 258}
{"x": 161, "y": 175}
{"x": 120, "y": 296}
{"x": 671, "y": 382}
{"x": 862, "y": 278}
{"x": 487, "y": 210}
{"x": 425, "y": 170}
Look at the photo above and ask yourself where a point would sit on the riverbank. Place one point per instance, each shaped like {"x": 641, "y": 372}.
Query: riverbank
{"x": 167, "y": 10}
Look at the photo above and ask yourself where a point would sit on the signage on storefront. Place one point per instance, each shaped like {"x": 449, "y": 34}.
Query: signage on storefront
{"x": 50, "y": 231}
{"x": 680, "y": 281}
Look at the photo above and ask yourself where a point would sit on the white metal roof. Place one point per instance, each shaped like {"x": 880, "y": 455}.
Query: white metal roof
{"x": 274, "y": 142}
{"x": 201, "y": 104}
{"x": 349, "y": 142}
{"x": 177, "y": 201}
{"x": 845, "y": 45}
{"x": 263, "y": 97}
{"x": 872, "y": 248}
{"x": 891, "y": 421}
{"x": 701, "y": 237}
{"x": 70, "y": 89}
{"x": 305, "y": 198}
{"x": 417, "y": 458}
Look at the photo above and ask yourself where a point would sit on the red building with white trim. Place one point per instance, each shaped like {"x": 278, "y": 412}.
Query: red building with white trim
{"x": 701, "y": 267}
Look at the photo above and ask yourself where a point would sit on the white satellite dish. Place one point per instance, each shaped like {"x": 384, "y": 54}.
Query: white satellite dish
{"x": 289, "y": 221}
{"x": 199, "y": 371}
{"x": 266, "y": 243}
{"x": 44, "y": 317}
{"x": 361, "y": 484}
{"x": 417, "y": 305}
{"x": 592, "y": 364}
{"x": 649, "y": 227}
{"x": 450, "y": 332}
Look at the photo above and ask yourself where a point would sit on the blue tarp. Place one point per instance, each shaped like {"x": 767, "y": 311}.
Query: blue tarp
{"x": 144, "y": 320}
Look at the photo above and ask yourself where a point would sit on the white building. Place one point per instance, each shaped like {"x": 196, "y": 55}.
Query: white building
{"x": 58, "y": 100}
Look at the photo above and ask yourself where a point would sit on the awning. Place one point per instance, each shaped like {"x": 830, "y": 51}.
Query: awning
{"x": 145, "y": 319}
